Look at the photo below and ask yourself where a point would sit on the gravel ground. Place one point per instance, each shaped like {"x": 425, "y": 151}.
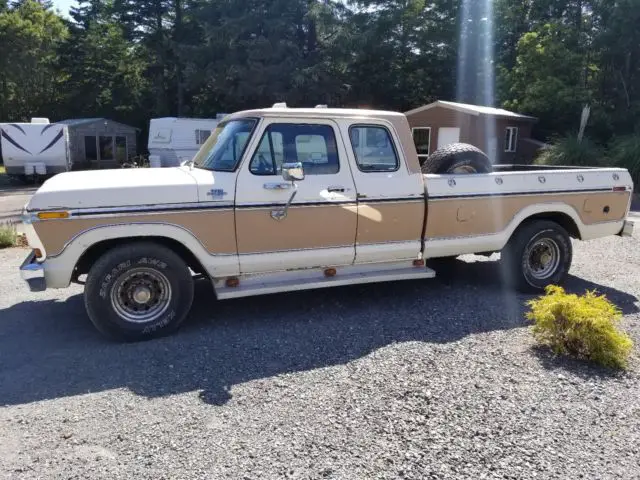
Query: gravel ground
{"x": 425, "y": 379}
{"x": 12, "y": 200}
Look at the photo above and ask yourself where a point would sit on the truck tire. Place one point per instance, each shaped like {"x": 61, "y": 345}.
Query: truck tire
{"x": 138, "y": 291}
{"x": 457, "y": 158}
{"x": 538, "y": 254}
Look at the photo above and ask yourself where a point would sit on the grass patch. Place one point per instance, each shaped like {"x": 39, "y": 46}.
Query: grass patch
{"x": 8, "y": 236}
{"x": 581, "y": 326}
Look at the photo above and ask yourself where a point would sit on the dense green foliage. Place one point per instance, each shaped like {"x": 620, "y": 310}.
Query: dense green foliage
{"x": 8, "y": 236}
{"x": 584, "y": 326}
{"x": 570, "y": 150}
{"x": 132, "y": 60}
{"x": 625, "y": 153}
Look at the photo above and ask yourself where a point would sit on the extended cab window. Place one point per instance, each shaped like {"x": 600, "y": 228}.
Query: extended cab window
{"x": 373, "y": 148}
{"x": 313, "y": 145}
{"x": 224, "y": 148}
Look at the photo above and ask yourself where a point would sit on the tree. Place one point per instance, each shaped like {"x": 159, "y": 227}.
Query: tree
{"x": 30, "y": 80}
{"x": 547, "y": 80}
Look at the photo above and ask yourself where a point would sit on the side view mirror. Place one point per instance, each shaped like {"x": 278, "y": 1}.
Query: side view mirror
{"x": 292, "y": 172}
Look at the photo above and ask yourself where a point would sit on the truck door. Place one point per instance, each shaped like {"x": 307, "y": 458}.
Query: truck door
{"x": 319, "y": 227}
{"x": 391, "y": 199}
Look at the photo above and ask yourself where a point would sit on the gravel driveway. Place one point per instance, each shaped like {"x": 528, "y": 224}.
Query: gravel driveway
{"x": 419, "y": 380}
{"x": 12, "y": 200}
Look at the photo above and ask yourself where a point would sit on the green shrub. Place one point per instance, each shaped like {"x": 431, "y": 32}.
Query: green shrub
{"x": 568, "y": 150}
{"x": 582, "y": 326}
{"x": 624, "y": 152}
{"x": 8, "y": 236}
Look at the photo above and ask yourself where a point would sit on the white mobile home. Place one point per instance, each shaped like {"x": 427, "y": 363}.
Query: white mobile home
{"x": 174, "y": 140}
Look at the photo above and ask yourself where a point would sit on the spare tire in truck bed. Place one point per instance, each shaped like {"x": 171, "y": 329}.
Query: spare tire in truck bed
{"x": 457, "y": 158}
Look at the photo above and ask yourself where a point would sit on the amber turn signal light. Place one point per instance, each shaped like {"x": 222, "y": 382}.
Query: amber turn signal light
{"x": 330, "y": 272}
{"x": 53, "y": 215}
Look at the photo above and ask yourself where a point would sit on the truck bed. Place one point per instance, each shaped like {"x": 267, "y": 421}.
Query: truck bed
{"x": 479, "y": 212}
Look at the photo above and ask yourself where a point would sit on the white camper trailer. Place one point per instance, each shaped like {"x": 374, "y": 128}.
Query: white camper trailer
{"x": 41, "y": 148}
{"x": 174, "y": 140}
{"x": 36, "y": 148}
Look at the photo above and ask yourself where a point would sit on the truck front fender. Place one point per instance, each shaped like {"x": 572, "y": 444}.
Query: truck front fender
{"x": 60, "y": 267}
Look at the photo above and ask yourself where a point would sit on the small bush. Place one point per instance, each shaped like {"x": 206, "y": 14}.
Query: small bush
{"x": 625, "y": 153}
{"x": 584, "y": 327}
{"x": 8, "y": 236}
{"x": 569, "y": 151}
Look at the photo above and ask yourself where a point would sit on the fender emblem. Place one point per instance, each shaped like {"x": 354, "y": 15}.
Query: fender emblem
{"x": 216, "y": 192}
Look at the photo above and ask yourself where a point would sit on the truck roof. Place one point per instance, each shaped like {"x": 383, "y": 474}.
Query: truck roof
{"x": 318, "y": 112}
{"x": 397, "y": 119}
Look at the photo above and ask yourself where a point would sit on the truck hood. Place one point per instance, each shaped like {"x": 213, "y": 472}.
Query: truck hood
{"x": 115, "y": 188}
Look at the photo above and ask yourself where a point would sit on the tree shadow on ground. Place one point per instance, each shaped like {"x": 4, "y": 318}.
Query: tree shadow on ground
{"x": 49, "y": 349}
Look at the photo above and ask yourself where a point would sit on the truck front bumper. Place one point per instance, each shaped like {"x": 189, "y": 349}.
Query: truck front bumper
{"x": 627, "y": 229}
{"x": 32, "y": 272}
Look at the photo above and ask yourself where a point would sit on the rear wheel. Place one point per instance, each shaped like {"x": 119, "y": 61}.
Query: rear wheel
{"x": 457, "y": 158}
{"x": 538, "y": 254}
{"x": 138, "y": 291}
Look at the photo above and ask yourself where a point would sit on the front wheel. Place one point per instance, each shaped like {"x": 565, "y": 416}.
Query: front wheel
{"x": 138, "y": 291}
{"x": 538, "y": 254}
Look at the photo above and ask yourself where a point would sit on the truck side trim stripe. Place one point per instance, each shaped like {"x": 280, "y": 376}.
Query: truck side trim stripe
{"x": 519, "y": 194}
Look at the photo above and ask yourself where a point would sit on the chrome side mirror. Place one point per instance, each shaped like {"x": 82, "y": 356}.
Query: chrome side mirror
{"x": 293, "y": 172}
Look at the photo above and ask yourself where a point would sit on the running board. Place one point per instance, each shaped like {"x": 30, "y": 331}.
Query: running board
{"x": 316, "y": 278}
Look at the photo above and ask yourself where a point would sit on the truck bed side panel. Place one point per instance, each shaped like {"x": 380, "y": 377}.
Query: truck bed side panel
{"x": 485, "y": 209}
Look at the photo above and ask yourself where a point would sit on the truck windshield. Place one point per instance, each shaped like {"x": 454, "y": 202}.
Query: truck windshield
{"x": 225, "y": 147}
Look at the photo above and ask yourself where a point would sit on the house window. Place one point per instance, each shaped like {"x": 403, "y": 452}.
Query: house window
{"x": 422, "y": 141}
{"x": 121, "y": 149}
{"x": 202, "y": 136}
{"x": 91, "y": 148}
{"x": 106, "y": 148}
{"x": 511, "y": 139}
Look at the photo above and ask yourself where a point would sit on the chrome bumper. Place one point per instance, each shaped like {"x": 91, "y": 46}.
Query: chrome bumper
{"x": 627, "y": 229}
{"x": 32, "y": 272}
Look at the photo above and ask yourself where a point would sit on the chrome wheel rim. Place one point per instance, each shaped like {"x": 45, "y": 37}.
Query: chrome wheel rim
{"x": 141, "y": 295}
{"x": 543, "y": 258}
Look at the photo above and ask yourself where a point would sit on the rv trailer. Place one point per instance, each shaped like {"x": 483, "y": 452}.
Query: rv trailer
{"x": 173, "y": 140}
{"x": 43, "y": 149}
{"x": 37, "y": 148}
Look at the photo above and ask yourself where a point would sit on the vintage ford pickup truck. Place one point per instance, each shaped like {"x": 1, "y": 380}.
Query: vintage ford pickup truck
{"x": 282, "y": 199}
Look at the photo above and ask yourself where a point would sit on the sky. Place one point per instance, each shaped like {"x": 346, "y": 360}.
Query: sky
{"x": 64, "y": 5}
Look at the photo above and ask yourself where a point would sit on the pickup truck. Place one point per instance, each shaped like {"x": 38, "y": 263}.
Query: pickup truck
{"x": 283, "y": 199}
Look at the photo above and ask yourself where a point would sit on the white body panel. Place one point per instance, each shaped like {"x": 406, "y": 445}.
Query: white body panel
{"x": 116, "y": 188}
{"x": 29, "y": 148}
{"x": 175, "y": 140}
{"x": 527, "y": 182}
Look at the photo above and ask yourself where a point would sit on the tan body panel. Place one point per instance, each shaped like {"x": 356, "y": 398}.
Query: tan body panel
{"x": 214, "y": 229}
{"x": 305, "y": 227}
{"x": 389, "y": 221}
{"x": 466, "y": 217}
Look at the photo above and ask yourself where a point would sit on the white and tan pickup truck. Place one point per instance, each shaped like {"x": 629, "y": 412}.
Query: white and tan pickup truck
{"x": 283, "y": 199}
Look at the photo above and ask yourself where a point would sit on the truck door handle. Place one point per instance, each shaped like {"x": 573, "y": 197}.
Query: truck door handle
{"x": 336, "y": 189}
{"x": 277, "y": 186}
